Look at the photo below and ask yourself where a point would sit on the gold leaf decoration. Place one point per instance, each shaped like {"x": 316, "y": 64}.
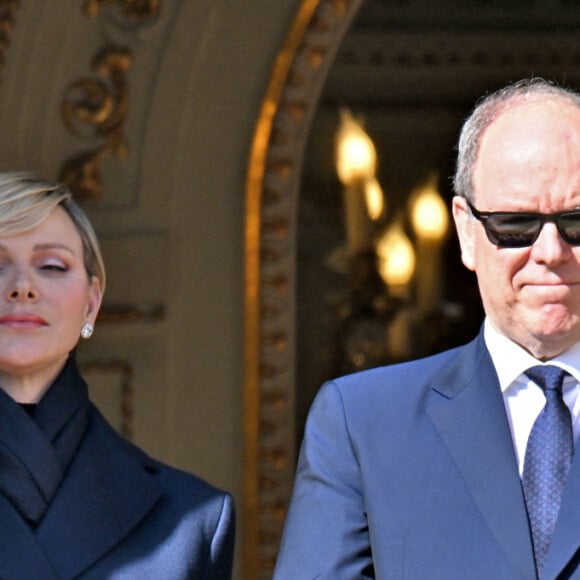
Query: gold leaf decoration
{"x": 97, "y": 108}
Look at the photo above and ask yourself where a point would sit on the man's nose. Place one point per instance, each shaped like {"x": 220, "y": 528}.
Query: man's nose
{"x": 550, "y": 247}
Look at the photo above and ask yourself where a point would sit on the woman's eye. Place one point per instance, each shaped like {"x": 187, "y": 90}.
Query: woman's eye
{"x": 53, "y": 267}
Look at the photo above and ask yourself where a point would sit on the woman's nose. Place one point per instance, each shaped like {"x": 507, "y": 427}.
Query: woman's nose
{"x": 21, "y": 289}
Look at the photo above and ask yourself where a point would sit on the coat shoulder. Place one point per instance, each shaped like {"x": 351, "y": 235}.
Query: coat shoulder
{"x": 183, "y": 487}
{"x": 185, "y": 527}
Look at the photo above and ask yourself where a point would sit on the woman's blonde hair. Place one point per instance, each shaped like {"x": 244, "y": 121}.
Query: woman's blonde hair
{"x": 26, "y": 200}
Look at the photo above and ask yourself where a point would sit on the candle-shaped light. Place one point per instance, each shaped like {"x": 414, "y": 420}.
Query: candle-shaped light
{"x": 430, "y": 220}
{"x": 356, "y": 156}
{"x": 429, "y": 215}
{"x": 396, "y": 265}
{"x": 374, "y": 198}
{"x": 356, "y": 160}
{"x": 396, "y": 259}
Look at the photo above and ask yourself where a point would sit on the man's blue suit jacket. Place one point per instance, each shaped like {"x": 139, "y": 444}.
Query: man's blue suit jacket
{"x": 409, "y": 471}
{"x": 120, "y": 515}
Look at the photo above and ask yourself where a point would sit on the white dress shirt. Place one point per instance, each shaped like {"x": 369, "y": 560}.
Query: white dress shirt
{"x": 522, "y": 397}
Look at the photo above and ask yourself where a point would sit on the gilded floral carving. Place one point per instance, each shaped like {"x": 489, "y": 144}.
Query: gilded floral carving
{"x": 95, "y": 108}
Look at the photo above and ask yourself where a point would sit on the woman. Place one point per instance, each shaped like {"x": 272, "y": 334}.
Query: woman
{"x": 76, "y": 499}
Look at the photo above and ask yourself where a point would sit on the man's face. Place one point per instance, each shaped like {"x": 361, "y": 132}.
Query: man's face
{"x": 529, "y": 160}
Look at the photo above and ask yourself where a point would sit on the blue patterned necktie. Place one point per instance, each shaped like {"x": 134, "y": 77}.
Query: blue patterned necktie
{"x": 548, "y": 457}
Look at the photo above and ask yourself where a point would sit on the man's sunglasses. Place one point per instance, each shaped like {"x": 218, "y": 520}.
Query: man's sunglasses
{"x": 514, "y": 229}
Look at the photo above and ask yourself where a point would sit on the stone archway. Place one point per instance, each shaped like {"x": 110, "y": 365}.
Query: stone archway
{"x": 272, "y": 192}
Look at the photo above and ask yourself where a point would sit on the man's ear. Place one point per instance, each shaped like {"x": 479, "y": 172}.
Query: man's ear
{"x": 464, "y": 224}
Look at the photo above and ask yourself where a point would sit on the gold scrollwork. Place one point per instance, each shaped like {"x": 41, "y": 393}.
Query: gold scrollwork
{"x": 133, "y": 9}
{"x": 98, "y": 106}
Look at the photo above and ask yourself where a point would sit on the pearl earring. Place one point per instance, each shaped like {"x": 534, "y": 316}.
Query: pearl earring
{"x": 87, "y": 330}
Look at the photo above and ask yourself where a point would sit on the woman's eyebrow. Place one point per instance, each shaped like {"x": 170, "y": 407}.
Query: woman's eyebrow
{"x": 54, "y": 246}
{"x": 44, "y": 246}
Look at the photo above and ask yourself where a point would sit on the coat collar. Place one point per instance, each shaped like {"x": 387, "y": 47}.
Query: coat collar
{"x": 21, "y": 556}
{"x": 467, "y": 409}
{"x": 105, "y": 495}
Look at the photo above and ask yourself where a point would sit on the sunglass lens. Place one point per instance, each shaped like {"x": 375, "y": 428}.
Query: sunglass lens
{"x": 569, "y": 225}
{"x": 513, "y": 230}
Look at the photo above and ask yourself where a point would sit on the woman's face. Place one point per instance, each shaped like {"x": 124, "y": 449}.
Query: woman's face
{"x": 46, "y": 297}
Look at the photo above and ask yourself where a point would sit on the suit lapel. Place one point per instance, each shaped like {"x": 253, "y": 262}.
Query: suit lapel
{"x": 467, "y": 409}
{"x": 99, "y": 503}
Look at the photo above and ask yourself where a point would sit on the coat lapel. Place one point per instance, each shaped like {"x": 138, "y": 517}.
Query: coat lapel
{"x": 467, "y": 409}
{"x": 20, "y": 554}
{"x": 105, "y": 495}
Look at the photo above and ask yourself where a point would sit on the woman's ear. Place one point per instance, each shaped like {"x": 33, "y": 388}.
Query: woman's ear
{"x": 95, "y": 296}
{"x": 464, "y": 225}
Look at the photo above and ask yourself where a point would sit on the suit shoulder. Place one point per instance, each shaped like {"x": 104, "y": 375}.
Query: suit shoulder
{"x": 400, "y": 375}
{"x": 406, "y": 385}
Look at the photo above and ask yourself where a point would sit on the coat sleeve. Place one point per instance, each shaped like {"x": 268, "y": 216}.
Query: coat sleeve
{"x": 326, "y": 533}
{"x": 222, "y": 544}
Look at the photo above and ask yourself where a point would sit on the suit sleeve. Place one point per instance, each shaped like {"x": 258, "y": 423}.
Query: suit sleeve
{"x": 326, "y": 533}
{"x": 222, "y": 544}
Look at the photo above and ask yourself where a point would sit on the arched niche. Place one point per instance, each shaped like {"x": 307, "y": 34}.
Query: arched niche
{"x": 272, "y": 193}
{"x": 455, "y": 72}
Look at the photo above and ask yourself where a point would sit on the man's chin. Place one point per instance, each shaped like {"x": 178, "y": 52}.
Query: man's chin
{"x": 548, "y": 342}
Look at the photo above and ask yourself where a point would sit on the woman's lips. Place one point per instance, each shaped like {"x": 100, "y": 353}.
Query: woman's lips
{"x": 22, "y": 320}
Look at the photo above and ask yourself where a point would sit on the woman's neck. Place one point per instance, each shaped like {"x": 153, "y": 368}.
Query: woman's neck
{"x": 29, "y": 387}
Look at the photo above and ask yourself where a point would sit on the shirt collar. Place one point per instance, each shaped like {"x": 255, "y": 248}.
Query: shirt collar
{"x": 511, "y": 360}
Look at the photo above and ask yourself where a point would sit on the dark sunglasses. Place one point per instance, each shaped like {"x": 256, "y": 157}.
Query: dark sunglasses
{"x": 515, "y": 229}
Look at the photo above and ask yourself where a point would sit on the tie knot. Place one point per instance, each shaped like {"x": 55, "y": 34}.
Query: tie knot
{"x": 548, "y": 377}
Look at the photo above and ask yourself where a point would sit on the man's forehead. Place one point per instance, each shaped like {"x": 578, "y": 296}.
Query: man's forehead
{"x": 528, "y": 110}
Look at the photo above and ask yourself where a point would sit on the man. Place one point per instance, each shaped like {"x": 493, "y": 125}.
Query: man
{"x": 420, "y": 470}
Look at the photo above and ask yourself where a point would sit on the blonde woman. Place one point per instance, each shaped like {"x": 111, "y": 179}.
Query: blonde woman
{"x": 76, "y": 499}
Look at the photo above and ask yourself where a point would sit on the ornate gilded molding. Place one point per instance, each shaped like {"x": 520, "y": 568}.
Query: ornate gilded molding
{"x": 272, "y": 187}
{"x": 96, "y": 108}
{"x": 99, "y": 105}
{"x": 8, "y": 10}
{"x": 131, "y": 313}
{"x": 432, "y": 49}
{"x": 133, "y": 9}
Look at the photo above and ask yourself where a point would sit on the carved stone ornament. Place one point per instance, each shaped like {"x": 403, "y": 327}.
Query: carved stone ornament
{"x": 99, "y": 105}
{"x": 95, "y": 108}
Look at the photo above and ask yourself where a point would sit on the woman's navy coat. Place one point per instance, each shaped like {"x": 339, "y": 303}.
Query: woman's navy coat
{"x": 118, "y": 514}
